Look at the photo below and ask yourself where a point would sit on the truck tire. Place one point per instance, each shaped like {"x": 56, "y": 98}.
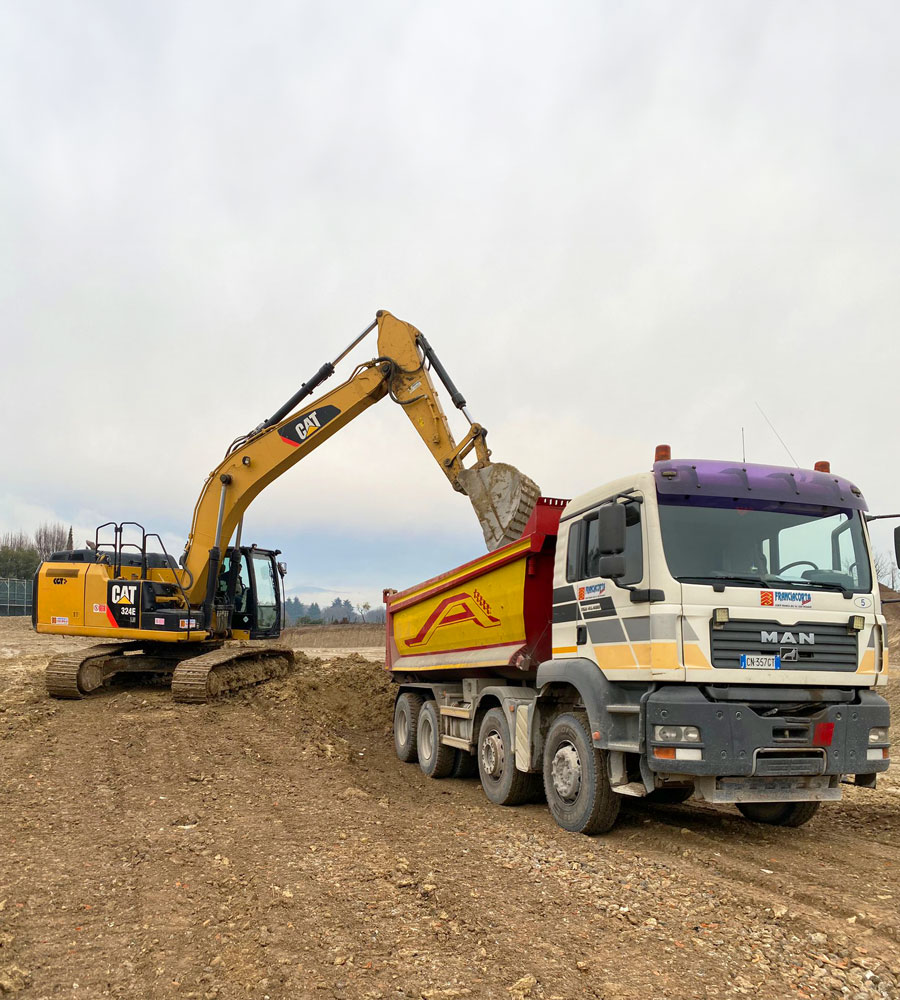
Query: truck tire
{"x": 779, "y": 813}
{"x": 465, "y": 765}
{"x": 435, "y": 758}
{"x": 406, "y": 725}
{"x": 503, "y": 784}
{"x": 576, "y": 781}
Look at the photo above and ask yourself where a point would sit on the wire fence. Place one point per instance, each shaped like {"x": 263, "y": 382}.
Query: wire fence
{"x": 15, "y": 597}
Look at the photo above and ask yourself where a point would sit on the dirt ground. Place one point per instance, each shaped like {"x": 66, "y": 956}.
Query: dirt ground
{"x": 271, "y": 846}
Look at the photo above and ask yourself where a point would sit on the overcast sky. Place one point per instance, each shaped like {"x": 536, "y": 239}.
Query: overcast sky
{"x": 618, "y": 223}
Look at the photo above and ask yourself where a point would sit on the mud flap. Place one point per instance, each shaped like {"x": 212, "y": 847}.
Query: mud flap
{"x": 503, "y": 499}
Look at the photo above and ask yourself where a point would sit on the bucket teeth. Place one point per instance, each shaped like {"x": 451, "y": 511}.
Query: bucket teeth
{"x": 503, "y": 498}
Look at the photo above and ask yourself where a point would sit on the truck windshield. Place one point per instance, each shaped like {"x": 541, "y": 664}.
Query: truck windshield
{"x": 764, "y": 544}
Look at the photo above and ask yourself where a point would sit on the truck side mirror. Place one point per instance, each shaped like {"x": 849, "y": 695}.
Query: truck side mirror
{"x": 611, "y": 531}
{"x": 612, "y": 567}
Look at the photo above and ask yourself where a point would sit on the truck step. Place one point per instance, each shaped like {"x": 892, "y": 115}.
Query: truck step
{"x": 456, "y": 741}
{"x": 457, "y": 711}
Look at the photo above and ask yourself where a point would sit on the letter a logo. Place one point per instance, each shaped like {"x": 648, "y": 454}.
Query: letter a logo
{"x": 455, "y": 610}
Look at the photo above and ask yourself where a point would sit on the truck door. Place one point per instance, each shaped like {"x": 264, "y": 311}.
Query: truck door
{"x": 610, "y": 629}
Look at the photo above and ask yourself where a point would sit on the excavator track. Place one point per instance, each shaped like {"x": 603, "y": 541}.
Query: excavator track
{"x": 75, "y": 674}
{"x": 209, "y": 676}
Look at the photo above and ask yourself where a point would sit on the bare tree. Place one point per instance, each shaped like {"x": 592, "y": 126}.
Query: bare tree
{"x": 49, "y": 537}
{"x": 16, "y": 540}
{"x": 886, "y": 570}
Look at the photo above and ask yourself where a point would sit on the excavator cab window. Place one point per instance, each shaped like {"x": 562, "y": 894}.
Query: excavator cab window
{"x": 267, "y": 590}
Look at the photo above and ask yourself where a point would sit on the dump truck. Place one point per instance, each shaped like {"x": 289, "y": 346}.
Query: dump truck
{"x": 706, "y": 628}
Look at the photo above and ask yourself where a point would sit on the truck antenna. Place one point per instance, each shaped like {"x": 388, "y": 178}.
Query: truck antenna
{"x": 743, "y": 448}
{"x": 769, "y": 422}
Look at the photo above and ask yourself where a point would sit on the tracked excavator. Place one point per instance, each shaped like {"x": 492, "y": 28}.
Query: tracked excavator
{"x": 211, "y": 620}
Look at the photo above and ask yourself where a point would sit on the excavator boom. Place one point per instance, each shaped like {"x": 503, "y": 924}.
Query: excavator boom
{"x": 502, "y": 497}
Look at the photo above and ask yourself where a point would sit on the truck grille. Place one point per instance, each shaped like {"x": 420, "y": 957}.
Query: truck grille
{"x": 832, "y": 648}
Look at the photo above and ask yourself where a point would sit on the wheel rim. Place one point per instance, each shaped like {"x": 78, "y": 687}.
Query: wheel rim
{"x": 565, "y": 772}
{"x": 493, "y": 757}
{"x": 426, "y": 735}
{"x": 402, "y": 728}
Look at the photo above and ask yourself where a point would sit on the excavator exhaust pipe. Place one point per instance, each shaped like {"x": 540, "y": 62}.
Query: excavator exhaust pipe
{"x": 503, "y": 499}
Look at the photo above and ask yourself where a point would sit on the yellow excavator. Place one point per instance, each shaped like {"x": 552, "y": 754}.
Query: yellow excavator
{"x": 209, "y": 620}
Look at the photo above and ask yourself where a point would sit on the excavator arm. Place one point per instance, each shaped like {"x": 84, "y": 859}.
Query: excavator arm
{"x": 503, "y": 498}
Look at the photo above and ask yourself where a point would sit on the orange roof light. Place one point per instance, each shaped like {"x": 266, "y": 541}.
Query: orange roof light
{"x": 822, "y": 466}
{"x": 663, "y": 453}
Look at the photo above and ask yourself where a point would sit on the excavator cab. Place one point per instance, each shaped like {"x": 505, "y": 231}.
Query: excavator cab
{"x": 249, "y": 591}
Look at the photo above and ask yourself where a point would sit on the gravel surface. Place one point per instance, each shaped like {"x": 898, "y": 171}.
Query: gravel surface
{"x": 272, "y": 846}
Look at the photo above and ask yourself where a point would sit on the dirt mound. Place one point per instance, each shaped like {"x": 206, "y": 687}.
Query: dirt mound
{"x": 343, "y": 691}
{"x": 334, "y": 636}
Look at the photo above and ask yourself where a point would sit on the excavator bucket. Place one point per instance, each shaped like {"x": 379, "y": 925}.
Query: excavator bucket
{"x": 503, "y": 499}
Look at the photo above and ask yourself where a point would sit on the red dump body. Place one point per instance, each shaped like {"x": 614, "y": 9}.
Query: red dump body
{"x": 489, "y": 616}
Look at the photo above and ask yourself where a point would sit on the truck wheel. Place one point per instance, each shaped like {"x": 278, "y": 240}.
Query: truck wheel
{"x": 406, "y": 724}
{"x": 465, "y": 765}
{"x": 576, "y": 780}
{"x": 435, "y": 758}
{"x": 779, "y": 813}
{"x": 502, "y": 783}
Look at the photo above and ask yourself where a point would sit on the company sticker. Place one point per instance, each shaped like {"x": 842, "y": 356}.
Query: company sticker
{"x": 785, "y": 599}
{"x": 591, "y": 591}
{"x": 183, "y": 623}
{"x": 159, "y": 621}
{"x": 863, "y": 602}
{"x": 591, "y": 607}
{"x": 99, "y": 609}
{"x": 58, "y": 621}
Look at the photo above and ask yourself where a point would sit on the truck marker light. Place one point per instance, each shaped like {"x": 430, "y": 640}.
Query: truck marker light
{"x": 666, "y": 753}
{"x": 663, "y": 453}
{"x": 720, "y": 617}
{"x": 595, "y": 735}
{"x": 881, "y": 753}
{"x": 686, "y": 753}
{"x": 856, "y": 624}
{"x": 823, "y": 733}
{"x": 822, "y": 466}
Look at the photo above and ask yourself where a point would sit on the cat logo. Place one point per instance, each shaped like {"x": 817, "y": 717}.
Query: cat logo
{"x": 123, "y": 594}
{"x": 455, "y": 610}
{"x": 302, "y": 427}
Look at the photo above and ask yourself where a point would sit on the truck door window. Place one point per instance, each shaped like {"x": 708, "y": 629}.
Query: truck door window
{"x": 583, "y": 562}
{"x": 575, "y": 551}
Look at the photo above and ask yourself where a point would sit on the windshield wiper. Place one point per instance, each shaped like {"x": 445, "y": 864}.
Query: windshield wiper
{"x": 721, "y": 580}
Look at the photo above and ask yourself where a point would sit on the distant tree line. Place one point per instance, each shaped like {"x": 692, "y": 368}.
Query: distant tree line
{"x": 340, "y": 610}
{"x": 21, "y": 554}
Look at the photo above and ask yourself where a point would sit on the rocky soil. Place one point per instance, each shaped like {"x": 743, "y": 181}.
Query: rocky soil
{"x": 271, "y": 846}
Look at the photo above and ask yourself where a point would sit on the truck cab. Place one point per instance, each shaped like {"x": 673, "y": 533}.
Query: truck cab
{"x": 735, "y": 607}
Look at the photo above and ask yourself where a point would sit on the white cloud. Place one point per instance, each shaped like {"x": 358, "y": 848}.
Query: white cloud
{"x": 616, "y": 224}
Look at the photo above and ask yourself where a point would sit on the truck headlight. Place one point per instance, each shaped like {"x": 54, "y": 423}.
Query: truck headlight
{"x": 878, "y": 735}
{"x": 676, "y": 734}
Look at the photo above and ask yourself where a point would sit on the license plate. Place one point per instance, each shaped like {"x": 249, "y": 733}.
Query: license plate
{"x": 756, "y": 661}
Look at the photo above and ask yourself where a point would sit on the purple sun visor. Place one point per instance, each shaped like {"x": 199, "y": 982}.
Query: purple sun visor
{"x": 736, "y": 480}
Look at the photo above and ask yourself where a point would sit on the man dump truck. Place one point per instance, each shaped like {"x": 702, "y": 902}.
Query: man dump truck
{"x": 175, "y": 619}
{"x": 706, "y": 628}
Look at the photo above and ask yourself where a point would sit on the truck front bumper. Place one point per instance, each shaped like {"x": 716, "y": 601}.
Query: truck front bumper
{"x": 746, "y": 739}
